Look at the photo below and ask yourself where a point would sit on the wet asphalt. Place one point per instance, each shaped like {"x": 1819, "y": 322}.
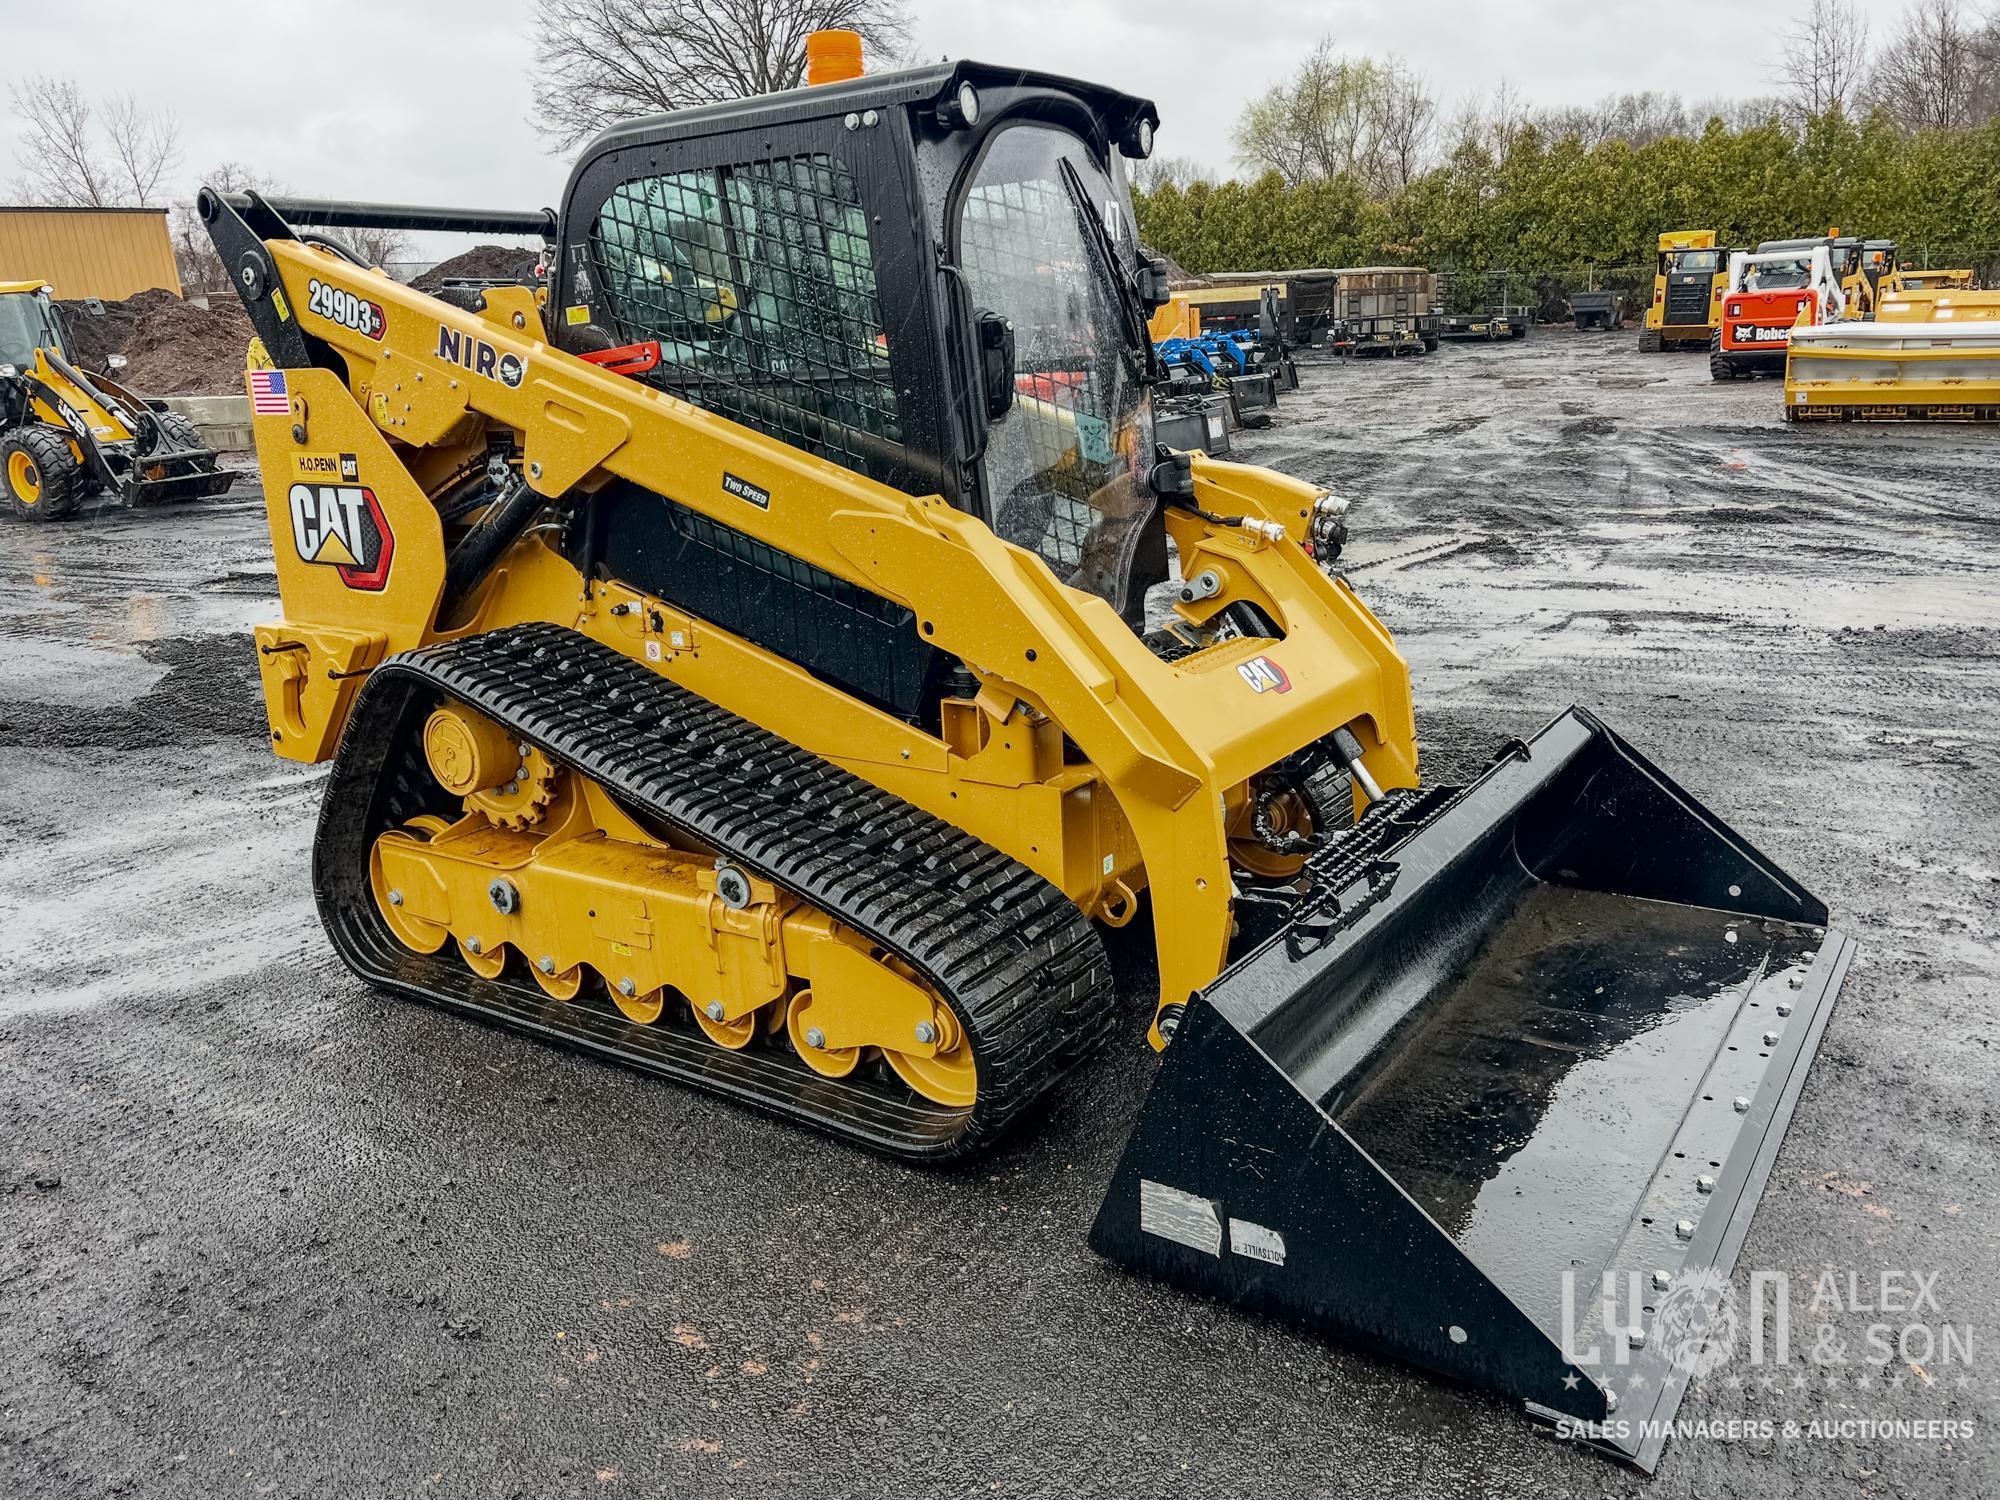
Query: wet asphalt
{"x": 266, "y": 1232}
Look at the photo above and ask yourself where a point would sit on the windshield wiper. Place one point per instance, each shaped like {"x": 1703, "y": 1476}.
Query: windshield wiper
{"x": 1131, "y": 317}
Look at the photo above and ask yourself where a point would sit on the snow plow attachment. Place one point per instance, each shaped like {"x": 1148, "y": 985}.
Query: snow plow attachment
{"x": 1502, "y": 1094}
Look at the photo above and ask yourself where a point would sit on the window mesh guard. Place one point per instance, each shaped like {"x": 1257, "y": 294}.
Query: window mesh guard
{"x": 759, "y": 284}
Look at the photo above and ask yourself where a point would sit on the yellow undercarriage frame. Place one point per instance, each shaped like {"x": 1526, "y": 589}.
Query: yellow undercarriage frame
{"x": 1105, "y": 769}
{"x": 544, "y": 863}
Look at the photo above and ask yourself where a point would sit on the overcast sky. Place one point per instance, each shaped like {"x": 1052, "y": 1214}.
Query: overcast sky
{"x": 427, "y": 100}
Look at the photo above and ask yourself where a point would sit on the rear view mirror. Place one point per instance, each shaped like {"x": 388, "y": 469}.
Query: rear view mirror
{"x": 1153, "y": 292}
{"x": 996, "y": 362}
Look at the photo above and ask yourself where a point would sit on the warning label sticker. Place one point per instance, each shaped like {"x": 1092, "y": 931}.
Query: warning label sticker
{"x": 1256, "y": 1241}
{"x": 1180, "y": 1217}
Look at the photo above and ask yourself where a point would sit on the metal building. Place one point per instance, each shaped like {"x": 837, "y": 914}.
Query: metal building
{"x": 88, "y": 252}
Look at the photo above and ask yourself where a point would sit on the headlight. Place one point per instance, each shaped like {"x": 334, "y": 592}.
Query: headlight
{"x": 961, "y": 110}
{"x": 8, "y": 372}
{"x": 1137, "y": 141}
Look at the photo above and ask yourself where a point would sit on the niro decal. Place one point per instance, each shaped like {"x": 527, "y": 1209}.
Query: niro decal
{"x": 1264, "y": 675}
{"x": 338, "y": 305}
{"x": 341, "y": 526}
{"x": 480, "y": 357}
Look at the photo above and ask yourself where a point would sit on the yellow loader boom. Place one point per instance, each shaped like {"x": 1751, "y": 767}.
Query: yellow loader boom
{"x": 757, "y": 657}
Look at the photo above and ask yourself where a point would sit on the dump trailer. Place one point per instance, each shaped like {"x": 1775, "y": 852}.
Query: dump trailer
{"x": 1689, "y": 276}
{"x": 1771, "y": 293}
{"x": 1927, "y": 356}
{"x": 734, "y": 663}
{"x": 1237, "y": 303}
{"x": 1303, "y": 299}
{"x": 66, "y": 435}
{"x": 1601, "y": 310}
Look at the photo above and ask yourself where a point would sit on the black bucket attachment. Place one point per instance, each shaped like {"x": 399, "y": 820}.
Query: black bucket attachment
{"x": 174, "y": 474}
{"x": 1531, "y": 1041}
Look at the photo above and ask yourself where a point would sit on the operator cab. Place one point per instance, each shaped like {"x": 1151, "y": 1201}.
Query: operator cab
{"x": 930, "y": 277}
{"x": 1778, "y": 276}
{"x": 28, "y": 322}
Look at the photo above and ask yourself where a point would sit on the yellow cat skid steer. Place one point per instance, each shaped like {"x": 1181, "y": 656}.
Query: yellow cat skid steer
{"x": 66, "y": 435}
{"x": 753, "y": 659}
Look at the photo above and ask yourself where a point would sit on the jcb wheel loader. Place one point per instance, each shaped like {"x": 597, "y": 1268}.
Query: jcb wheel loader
{"x": 753, "y": 660}
{"x": 66, "y": 435}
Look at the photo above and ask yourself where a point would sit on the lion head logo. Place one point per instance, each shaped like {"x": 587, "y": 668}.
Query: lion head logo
{"x": 1695, "y": 1322}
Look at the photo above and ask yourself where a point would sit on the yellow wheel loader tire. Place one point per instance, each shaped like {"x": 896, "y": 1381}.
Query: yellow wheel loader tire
{"x": 40, "y": 478}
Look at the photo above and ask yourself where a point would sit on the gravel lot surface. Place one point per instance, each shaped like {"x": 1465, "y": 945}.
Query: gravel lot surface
{"x": 265, "y": 1232}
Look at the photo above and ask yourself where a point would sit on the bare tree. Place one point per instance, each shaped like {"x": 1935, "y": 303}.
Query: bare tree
{"x": 1160, "y": 171}
{"x": 1636, "y": 119}
{"x": 1374, "y": 120}
{"x": 378, "y": 247}
{"x": 1502, "y": 119}
{"x": 145, "y": 148}
{"x": 1938, "y": 72}
{"x": 60, "y": 164}
{"x": 1824, "y": 57}
{"x": 598, "y": 61}
{"x": 1407, "y": 127}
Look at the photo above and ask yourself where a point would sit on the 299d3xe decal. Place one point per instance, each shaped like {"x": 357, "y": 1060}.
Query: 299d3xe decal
{"x": 338, "y": 305}
{"x": 342, "y": 526}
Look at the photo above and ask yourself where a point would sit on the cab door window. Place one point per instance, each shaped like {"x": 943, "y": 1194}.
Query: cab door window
{"x": 758, "y": 280}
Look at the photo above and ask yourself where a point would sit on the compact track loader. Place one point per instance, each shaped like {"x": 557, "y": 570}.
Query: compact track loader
{"x": 66, "y": 435}
{"x": 757, "y": 660}
{"x": 1689, "y": 275}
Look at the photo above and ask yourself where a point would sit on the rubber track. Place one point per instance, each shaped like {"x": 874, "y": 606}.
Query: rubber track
{"x": 1021, "y": 967}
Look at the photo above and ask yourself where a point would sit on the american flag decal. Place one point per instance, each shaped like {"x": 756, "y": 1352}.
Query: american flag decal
{"x": 268, "y": 396}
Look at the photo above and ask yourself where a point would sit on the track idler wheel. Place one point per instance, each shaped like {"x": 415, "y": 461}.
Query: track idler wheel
{"x": 412, "y": 931}
{"x": 487, "y": 963}
{"x": 809, "y": 1041}
{"x": 947, "y": 1074}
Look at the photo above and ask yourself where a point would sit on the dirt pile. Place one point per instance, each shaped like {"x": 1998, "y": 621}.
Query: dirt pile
{"x": 172, "y": 348}
{"x": 481, "y": 263}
